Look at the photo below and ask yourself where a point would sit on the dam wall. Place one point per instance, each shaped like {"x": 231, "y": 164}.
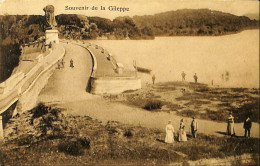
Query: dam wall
{"x": 18, "y": 84}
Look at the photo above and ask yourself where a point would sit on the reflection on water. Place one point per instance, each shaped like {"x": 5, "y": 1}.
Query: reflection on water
{"x": 231, "y": 60}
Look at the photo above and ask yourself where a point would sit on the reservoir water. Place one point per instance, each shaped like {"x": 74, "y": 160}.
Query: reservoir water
{"x": 230, "y": 60}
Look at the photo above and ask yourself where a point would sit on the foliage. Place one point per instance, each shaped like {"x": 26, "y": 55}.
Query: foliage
{"x": 128, "y": 133}
{"x": 194, "y": 22}
{"x": 153, "y": 104}
{"x": 70, "y": 147}
{"x": 248, "y": 109}
{"x": 9, "y": 59}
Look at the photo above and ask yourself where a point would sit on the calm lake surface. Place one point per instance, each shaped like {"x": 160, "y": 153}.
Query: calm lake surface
{"x": 235, "y": 56}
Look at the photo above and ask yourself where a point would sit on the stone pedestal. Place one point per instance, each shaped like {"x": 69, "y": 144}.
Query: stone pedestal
{"x": 51, "y": 36}
{"x": 1, "y": 128}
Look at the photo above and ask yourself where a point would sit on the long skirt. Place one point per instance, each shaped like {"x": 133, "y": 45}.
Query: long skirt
{"x": 169, "y": 137}
{"x": 230, "y": 129}
{"x": 182, "y": 135}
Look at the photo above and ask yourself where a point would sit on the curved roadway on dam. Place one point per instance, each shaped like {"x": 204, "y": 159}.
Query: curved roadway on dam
{"x": 69, "y": 84}
{"x": 66, "y": 89}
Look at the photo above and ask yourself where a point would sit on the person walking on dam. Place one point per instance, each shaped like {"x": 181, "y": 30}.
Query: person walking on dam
{"x": 195, "y": 78}
{"x": 194, "y": 127}
{"x": 153, "y": 79}
{"x": 71, "y": 63}
{"x": 230, "y": 125}
{"x": 183, "y": 76}
{"x": 247, "y": 126}
{"x": 62, "y": 63}
{"x": 58, "y": 64}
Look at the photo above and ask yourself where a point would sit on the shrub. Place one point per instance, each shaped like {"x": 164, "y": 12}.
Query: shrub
{"x": 204, "y": 89}
{"x": 85, "y": 142}
{"x": 70, "y": 147}
{"x": 25, "y": 140}
{"x": 128, "y": 134}
{"x": 39, "y": 111}
{"x": 188, "y": 113}
{"x": 56, "y": 133}
{"x": 152, "y": 105}
{"x": 2, "y": 157}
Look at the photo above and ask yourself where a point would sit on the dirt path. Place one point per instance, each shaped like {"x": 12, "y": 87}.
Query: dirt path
{"x": 67, "y": 89}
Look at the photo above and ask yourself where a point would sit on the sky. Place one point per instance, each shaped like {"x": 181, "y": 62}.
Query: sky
{"x": 136, "y": 7}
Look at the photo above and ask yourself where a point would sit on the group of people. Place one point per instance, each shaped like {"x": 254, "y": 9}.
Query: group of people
{"x": 183, "y": 75}
{"x": 231, "y": 126}
{"x": 61, "y": 63}
{"x": 181, "y": 134}
{"x": 195, "y": 77}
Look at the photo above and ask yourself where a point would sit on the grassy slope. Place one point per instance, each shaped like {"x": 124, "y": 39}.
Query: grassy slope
{"x": 198, "y": 100}
{"x": 47, "y": 137}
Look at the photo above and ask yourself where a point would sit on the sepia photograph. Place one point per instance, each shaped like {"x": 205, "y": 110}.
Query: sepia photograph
{"x": 129, "y": 82}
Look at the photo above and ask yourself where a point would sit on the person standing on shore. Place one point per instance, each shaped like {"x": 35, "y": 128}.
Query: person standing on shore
{"x": 194, "y": 127}
{"x": 247, "y": 126}
{"x": 153, "y": 79}
{"x": 169, "y": 138}
{"x": 183, "y": 76}
{"x": 195, "y": 78}
{"x": 230, "y": 125}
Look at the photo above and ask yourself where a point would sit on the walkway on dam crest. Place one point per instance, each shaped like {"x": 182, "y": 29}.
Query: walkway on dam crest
{"x": 106, "y": 65}
{"x": 69, "y": 84}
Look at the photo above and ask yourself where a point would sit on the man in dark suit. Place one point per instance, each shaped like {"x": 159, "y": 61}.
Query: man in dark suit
{"x": 247, "y": 126}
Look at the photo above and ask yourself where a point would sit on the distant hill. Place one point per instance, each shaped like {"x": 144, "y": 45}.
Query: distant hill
{"x": 194, "y": 22}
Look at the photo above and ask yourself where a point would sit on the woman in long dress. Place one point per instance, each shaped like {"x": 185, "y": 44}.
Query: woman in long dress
{"x": 182, "y": 133}
{"x": 230, "y": 125}
{"x": 169, "y": 133}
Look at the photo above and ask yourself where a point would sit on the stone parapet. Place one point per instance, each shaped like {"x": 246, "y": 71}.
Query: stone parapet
{"x": 114, "y": 85}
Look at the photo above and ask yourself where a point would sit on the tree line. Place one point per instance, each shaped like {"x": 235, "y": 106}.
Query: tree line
{"x": 16, "y": 30}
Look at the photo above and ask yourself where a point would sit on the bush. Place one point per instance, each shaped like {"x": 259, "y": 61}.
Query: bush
{"x": 25, "y": 140}
{"x": 71, "y": 147}
{"x": 85, "y": 142}
{"x": 39, "y": 111}
{"x": 152, "y": 105}
{"x": 128, "y": 134}
{"x": 188, "y": 113}
{"x": 2, "y": 157}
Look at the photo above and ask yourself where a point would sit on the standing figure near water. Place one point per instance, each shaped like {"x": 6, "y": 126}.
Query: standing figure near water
{"x": 230, "y": 125}
{"x": 195, "y": 78}
{"x": 153, "y": 79}
{"x": 169, "y": 138}
{"x": 183, "y": 76}
{"x": 182, "y": 133}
